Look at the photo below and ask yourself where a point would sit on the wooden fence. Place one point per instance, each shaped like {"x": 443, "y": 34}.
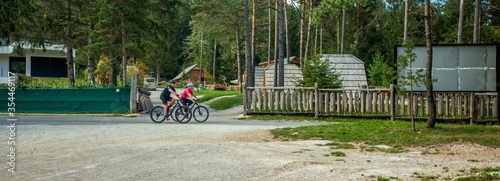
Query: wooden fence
{"x": 373, "y": 103}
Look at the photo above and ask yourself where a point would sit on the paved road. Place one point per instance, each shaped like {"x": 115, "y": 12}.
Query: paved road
{"x": 129, "y": 148}
{"x": 223, "y": 148}
{"x": 135, "y": 148}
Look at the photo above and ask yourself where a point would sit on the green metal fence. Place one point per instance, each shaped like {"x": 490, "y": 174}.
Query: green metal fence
{"x": 70, "y": 100}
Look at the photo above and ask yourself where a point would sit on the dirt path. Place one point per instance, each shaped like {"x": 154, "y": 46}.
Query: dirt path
{"x": 308, "y": 159}
{"x": 220, "y": 149}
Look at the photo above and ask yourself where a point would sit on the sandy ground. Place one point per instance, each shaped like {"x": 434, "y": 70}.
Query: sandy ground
{"x": 220, "y": 149}
{"x": 223, "y": 150}
{"x": 443, "y": 162}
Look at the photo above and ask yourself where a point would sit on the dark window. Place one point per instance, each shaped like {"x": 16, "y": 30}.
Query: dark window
{"x": 48, "y": 67}
{"x": 17, "y": 65}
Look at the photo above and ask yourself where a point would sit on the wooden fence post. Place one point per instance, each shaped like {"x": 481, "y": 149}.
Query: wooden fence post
{"x": 393, "y": 103}
{"x": 133, "y": 94}
{"x": 472, "y": 108}
{"x": 244, "y": 88}
{"x": 316, "y": 97}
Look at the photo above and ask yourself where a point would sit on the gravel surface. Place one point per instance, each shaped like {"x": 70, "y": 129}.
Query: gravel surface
{"x": 220, "y": 149}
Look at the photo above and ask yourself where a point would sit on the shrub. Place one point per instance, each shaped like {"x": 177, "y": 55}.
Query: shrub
{"x": 319, "y": 71}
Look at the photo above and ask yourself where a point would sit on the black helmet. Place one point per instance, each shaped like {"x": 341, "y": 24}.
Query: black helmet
{"x": 172, "y": 81}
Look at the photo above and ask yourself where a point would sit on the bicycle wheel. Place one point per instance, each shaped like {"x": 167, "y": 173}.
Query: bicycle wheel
{"x": 172, "y": 111}
{"x": 200, "y": 114}
{"x": 183, "y": 114}
{"x": 157, "y": 115}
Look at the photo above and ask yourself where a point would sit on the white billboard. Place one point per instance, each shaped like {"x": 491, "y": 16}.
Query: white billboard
{"x": 457, "y": 67}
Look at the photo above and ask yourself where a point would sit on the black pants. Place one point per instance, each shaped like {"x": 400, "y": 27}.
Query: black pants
{"x": 187, "y": 102}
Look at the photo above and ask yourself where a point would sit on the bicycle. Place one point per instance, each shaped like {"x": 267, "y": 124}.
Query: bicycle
{"x": 157, "y": 115}
{"x": 199, "y": 113}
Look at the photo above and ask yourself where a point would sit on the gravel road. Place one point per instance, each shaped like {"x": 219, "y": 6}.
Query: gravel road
{"x": 223, "y": 148}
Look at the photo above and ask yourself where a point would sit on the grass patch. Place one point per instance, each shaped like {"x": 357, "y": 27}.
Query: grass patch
{"x": 394, "y": 134}
{"x": 337, "y": 154}
{"x": 394, "y": 149}
{"x": 286, "y": 118}
{"x": 487, "y": 173}
{"x": 435, "y": 152}
{"x": 211, "y": 94}
{"x": 382, "y": 179}
{"x": 446, "y": 169}
{"x": 336, "y": 145}
{"x": 226, "y": 102}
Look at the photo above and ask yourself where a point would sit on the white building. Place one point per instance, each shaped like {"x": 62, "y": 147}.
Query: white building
{"x": 37, "y": 62}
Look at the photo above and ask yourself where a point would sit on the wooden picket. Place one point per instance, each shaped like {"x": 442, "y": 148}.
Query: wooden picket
{"x": 369, "y": 103}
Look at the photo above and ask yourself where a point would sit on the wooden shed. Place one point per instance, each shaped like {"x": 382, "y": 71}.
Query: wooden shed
{"x": 351, "y": 69}
{"x": 264, "y": 74}
{"x": 193, "y": 73}
{"x": 293, "y": 73}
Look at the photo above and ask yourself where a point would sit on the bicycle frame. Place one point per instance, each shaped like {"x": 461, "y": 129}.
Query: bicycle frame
{"x": 195, "y": 104}
{"x": 176, "y": 105}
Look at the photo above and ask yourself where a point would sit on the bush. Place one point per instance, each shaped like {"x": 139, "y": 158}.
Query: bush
{"x": 380, "y": 73}
{"x": 319, "y": 71}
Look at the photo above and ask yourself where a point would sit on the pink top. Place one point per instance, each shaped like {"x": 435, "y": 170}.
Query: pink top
{"x": 185, "y": 93}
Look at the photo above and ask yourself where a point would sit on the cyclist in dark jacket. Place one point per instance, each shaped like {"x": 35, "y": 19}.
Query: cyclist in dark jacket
{"x": 165, "y": 97}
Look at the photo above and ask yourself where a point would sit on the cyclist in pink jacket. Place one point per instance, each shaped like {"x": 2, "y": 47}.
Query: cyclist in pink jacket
{"x": 187, "y": 93}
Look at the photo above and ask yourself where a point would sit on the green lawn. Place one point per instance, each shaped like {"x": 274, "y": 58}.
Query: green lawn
{"x": 211, "y": 94}
{"x": 227, "y": 102}
{"x": 395, "y": 134}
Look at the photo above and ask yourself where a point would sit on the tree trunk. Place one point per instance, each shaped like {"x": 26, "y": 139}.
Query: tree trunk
{"x": 215, "y": 53}
{"x": 69, "y": 46}
{"x": 477, "y": 21}
{"x": 112, "y": 69}
{"x": 276, "y": 47}
{"x": 321, "y": 40}
{"x": 201, "y": 58}
{"x": 431, "y": 118}
{"x": 158, "y": 75}
{"x": 124, "y": 56}
{"x": 316, "y": 38}
{"x": 90, "y": 71}
{"x": 338, "y": 36}
{"x": 405, "y": 31}
{"x": 281, "y": 81}
{"x": 250, "y": 78}
{"x": 343, "y": 32}
{"x": 461, "y": 22}
{"x": 358, "y": 15}
{"x": 405, "y": 37}
{"x": 90, "y": 59}
{"x": 302, "y": 24}
{"x": 238, "y": 45}
{"x": 286, "y": 32}
{"x": 254, "y": 43}
{"x": 269, "y": 35}
{"x": 308, "y": 39}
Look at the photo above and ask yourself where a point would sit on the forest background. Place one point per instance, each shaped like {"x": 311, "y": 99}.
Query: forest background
{"x": 166, "y": 36}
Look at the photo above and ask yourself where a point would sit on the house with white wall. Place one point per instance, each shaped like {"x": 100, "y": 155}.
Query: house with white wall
{"x": 36, "y": 62}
